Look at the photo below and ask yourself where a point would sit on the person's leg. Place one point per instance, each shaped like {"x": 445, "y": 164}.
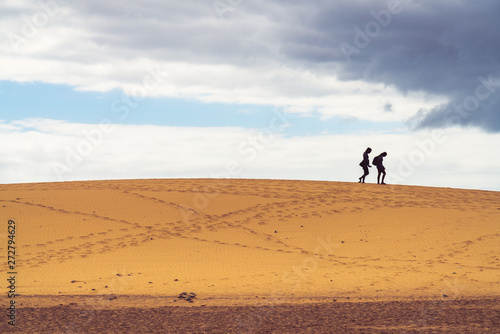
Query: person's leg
{"x": 365, "y": 173}
{"x": 378, "y": 176}
{"x": 381, "y": 171}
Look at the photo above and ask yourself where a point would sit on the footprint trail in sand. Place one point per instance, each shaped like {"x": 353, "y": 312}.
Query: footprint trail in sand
{"x": 252, "y": 236}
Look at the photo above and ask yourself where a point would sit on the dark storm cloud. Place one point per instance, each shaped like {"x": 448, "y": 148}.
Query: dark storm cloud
{"x": 449, "y": 48}
{"x": 438, "y": 47}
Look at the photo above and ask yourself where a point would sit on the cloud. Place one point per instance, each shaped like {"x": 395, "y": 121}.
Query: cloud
{"x": 446, "y": 48}
{"x": 244, "y": 56}
{"x": 388, "y": 107}
{"x": 47, "y": 150}
{"x": 479, "y": 109}
{"x": 422, "y": 56}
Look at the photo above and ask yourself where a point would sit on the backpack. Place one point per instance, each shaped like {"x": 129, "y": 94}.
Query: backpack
{"x": 376, "y": 160}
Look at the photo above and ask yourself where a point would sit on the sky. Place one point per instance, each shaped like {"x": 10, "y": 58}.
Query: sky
{"x": 273, "y": 89}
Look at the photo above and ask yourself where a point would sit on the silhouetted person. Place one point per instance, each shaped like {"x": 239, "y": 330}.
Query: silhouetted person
{"x": 378, "y": 161}
{"x": 365, "y": 164}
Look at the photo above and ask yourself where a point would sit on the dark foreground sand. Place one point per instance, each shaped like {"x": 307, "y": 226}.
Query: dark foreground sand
{"x": 438, "y": 316}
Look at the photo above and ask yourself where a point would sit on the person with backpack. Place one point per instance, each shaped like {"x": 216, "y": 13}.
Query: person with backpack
{"x": 378, "y": 161}
{"x": 365, "y": 164}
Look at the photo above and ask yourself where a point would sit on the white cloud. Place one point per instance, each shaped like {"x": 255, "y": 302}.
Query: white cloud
{"x": 238, "y": 58}
{"x": 32, "y": 148}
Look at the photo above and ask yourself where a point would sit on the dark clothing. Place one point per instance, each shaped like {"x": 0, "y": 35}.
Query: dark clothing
{"x": 365, "y": 169}
{"x": 380, "y": 165}
{"x": 365, "y": 162}
{"x": 380, "y": 168}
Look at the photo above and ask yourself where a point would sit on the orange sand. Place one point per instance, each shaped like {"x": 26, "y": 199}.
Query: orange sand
{"x": 247, "y": 238}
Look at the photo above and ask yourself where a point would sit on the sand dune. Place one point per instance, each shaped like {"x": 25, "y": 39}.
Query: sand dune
{"x": 106, "y": 245}
{"x": 252, "y": 237}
